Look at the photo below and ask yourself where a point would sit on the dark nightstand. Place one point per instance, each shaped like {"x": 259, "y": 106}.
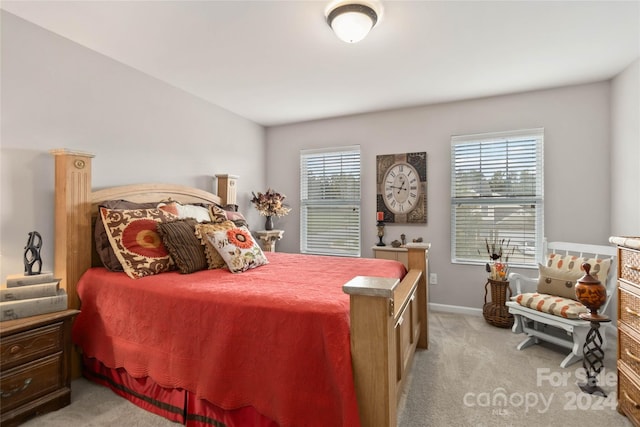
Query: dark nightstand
{"x": 35, "y": 365}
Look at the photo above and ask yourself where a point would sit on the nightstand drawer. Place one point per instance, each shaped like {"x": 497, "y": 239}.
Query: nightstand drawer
{"x": 629, "y": 349}
{"x": 630, "y": 265}
{"x": 629, "y": 306}
{"x": 629, "y": 395}
{"x": 30, "y": 381}
{"x": 30, "y": 345}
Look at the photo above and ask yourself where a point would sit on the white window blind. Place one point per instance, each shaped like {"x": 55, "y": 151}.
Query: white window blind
{"x": 330, "y": 201}
{"x": 497, "y": 196}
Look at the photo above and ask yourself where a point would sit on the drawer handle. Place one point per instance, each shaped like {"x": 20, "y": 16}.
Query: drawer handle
{"x": 633, "y": 402}
{"x": 15, "y": 349}
{"x": 633, "y": 313}
{"x": 632, "y": 267}
{"x": 18, "y": 389}
{"x": 632, "y": 356}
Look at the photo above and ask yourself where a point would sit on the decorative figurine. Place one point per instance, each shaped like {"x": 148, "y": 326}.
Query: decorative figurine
{"x": 380, "y": 227}
{"x": 32, "y": 254}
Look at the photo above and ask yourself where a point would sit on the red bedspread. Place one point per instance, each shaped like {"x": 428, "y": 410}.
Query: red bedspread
{"x": 275, "y": 337}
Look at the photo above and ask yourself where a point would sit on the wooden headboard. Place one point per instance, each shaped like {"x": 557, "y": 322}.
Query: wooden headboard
{"x": 76, "y": 208}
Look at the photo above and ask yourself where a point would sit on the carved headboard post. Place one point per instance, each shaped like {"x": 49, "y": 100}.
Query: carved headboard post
{"x": 72, "y": 219}
{"x": 227, "y": 189}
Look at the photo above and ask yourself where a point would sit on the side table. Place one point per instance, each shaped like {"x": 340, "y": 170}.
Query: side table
{"x": 495, "y": 312}
{"x": 35, "y": 365}
{"x": 268, "y": 239}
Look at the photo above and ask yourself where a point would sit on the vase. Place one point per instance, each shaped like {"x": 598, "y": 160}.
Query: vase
{"x": 497, "y": 270}
{"x": 268, "y": 224}
{"x": 591, "y": 293}
{"x": 496, "y": 312}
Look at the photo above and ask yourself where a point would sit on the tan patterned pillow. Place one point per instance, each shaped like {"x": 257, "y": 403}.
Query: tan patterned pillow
{"x": 220, "y": 215}
{"x": 555, "y": 281}
{"x": 135, "y": 240}
{"x": 558, "y": 306}
{"x": 103, "y": 245}
{"x": 599, "y": 266}
{"x": 214, "y": 260}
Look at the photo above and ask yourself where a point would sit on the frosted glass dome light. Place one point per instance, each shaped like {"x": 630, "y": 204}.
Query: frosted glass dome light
{"x": 352, "y": 22}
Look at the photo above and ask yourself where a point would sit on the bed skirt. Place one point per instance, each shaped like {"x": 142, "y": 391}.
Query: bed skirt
{"x": 177, "y": 405}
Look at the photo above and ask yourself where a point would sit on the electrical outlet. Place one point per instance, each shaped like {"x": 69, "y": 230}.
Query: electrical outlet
{"x": 433, "y": 279}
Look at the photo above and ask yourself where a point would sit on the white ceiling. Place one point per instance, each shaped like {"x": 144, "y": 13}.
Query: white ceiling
{"x": 277, "y": 62}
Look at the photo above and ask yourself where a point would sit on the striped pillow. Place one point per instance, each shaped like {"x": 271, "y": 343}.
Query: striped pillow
{"x": 180, "y": 239}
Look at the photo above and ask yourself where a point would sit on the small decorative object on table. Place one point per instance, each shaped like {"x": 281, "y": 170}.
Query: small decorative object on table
{"x": 270, "y": 204}
{"x": 592, "y": 294}
{"x": 380, "y": 227}
{"x": 32, "y": 254}
{"x": 496, "y": 312}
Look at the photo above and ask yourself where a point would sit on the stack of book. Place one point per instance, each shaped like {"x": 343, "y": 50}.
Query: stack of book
{"x": 24, "y": 296}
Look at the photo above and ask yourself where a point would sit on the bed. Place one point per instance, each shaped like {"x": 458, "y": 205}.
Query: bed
{"x": 328, "y": 345}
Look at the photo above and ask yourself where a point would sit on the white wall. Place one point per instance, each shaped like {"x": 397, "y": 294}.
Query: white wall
{"x": 625, "y": 152}
{"x": 577, "y": 168}
{"x": 56, "y": 93}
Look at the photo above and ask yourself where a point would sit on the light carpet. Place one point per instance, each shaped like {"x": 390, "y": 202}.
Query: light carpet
{"x": 472, "y": 375}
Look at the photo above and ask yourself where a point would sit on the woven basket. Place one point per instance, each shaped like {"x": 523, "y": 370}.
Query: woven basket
{"x": 495, "y": 312}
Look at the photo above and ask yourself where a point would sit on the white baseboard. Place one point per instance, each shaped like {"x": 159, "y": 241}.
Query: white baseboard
{"x": 455, "y": 309}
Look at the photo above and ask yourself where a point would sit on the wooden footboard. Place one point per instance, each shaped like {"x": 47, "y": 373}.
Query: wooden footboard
{"x": 388, "y": 321}
{"x": 388, "y": 316}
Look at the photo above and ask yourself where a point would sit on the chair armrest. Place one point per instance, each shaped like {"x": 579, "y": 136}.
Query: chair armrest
{"x": 523, "y": 283}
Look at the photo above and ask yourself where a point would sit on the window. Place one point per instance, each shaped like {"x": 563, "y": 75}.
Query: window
{"x": 497, "y": 195}
{"x": 330, "y": 201}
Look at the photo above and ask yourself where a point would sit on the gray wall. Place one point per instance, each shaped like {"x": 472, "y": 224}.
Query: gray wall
{"x": 56, "y": 94}
{"x": 625, "y": 152}
{"x": 577, "y": 168}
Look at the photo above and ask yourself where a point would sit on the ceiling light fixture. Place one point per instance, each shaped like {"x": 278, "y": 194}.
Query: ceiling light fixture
{"x": 352, "y": 21}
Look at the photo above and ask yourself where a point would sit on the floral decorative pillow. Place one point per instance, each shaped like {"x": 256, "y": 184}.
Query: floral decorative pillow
{"x": 214, "y": 260}
{"x": 103, "y": 246}
{"x": 135, "y": 240}
{"x": 238, "y": 249}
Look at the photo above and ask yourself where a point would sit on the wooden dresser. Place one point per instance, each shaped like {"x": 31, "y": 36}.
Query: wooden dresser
{"x": 35, "y": 365}
{"x": 389, "y": 252}
{"x": 628, "y": 327}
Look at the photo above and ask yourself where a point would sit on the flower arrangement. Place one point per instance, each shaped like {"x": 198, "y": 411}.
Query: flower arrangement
{"x": 496, "y": 249}
{"x": 270, "y": 203}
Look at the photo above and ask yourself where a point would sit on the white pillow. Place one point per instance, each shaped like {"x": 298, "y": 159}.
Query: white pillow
{"x": 199, "y": 213}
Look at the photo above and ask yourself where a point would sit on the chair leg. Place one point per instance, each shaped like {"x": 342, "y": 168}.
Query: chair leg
{"x": 570, "y": 360}
{"x": 517, "y": 324}
{"x": 528, "y": 342}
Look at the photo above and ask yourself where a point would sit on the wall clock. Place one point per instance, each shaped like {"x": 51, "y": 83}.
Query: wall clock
{"x": 401, "y": 187}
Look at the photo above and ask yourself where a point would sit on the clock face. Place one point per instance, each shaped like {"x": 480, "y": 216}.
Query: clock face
{"x": 401, "y": 185}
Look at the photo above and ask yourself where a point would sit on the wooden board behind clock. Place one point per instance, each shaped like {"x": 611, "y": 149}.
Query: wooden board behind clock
{"x": 401, "y": 187}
